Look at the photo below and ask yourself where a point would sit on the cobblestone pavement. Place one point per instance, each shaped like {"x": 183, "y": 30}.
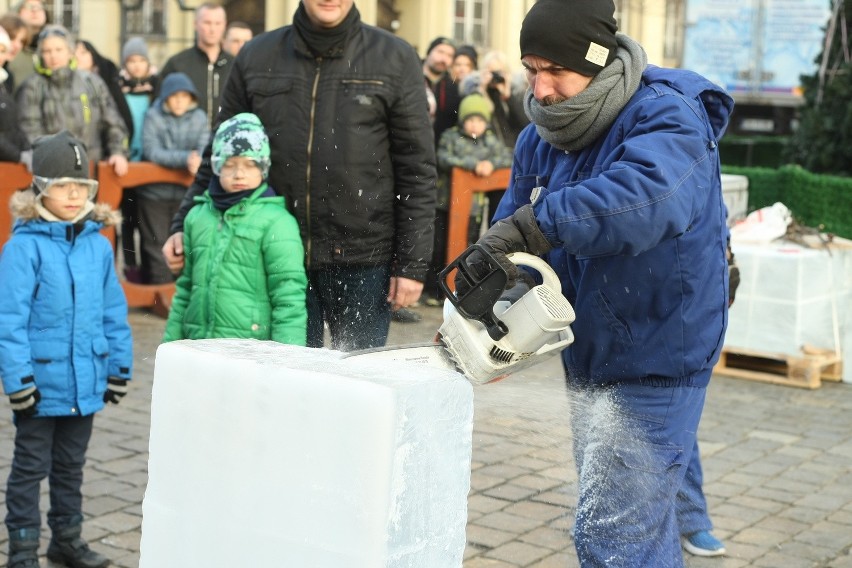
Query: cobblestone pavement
{"x": 777, "y": 460}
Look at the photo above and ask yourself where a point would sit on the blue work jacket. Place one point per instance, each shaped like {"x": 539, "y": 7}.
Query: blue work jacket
{"x": 639, "y": 229}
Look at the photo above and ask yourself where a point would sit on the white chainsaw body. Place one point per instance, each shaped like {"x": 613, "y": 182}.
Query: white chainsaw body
{"x": 539, "y": 326}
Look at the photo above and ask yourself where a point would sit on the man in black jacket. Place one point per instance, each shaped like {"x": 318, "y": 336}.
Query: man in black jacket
{"x": 436, "y": 72}
{"x": 345, "y": 110}
{"x": 206, "y": 63}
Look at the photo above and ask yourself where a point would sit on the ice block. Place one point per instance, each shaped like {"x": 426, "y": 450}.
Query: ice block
{"x": 268, "y": 455}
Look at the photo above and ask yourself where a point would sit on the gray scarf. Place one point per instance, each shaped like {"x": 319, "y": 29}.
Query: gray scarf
{"x": 575, "y": 123}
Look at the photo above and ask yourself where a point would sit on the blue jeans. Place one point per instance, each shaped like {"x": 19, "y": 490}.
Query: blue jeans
{"x": 352, "y": 300}
{"x": 53, "y": 447}
{"x": 691, "y": 504}
{"x": 632, "y": 445}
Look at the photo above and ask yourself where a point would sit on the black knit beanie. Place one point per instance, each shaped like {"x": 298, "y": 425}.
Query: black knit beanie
{"x": 576, "y": 34}
{"x": 440, "y": 40}
{"x": 60, "y": 156}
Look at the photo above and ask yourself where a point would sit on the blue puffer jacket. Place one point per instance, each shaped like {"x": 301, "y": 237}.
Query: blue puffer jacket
{"x": 63, "y": 315}
{"x": 638, "y": 223}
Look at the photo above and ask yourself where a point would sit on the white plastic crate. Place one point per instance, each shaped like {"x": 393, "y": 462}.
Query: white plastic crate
{"x": 735, "y": 195}
{"x": 791, "y": 296}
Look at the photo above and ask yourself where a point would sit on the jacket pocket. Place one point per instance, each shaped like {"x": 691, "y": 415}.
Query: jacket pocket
{"x": 50, "y": 369}
{"x": 529, "y": 188}
{"x": 271, "y": 100}
{"x": 621, "y": 332}
{"x": 100, "y": 358}
{"x": 363, "y": 105}
{"x": 261, "y": 86}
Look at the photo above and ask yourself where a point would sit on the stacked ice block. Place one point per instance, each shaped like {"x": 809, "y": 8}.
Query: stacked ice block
{"x": 263, "y": 454}
{"x": 791, "y": 296}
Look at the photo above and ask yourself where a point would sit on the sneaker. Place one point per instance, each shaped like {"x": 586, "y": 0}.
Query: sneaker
{"x": 703, "y": 543}
{"x": 434, "y": 302}
{"x": 404, "y": 315}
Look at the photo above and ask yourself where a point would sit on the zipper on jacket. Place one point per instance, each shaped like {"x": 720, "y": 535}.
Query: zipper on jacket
{"x": 215, "y": 88}
{"x": 362, "y": 82}
{"x": 308, "y": 165}
{"x": 209, "y": 108}
{"x": 87, "y": 111}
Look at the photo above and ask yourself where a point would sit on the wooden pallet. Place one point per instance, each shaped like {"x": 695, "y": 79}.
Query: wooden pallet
{"x": 806, "y": 371}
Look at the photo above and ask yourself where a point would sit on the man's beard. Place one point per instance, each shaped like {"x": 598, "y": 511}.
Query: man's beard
{"x": 552, "y": 100}
{"x": 435, "y": 71}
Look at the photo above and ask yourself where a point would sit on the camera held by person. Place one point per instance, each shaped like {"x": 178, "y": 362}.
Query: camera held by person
{"x": 497, "y": 80}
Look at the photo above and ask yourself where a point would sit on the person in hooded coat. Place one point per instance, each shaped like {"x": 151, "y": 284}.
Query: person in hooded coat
{"x": 65, "y": 347}
{"x": 616, "y": 182}
{"x": 173, "y": 135}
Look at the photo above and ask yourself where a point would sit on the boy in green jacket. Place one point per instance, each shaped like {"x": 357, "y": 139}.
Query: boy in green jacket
{"x": 244, "y": 275}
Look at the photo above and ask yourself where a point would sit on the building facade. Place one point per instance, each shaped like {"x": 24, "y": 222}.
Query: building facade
{"x": 167, "y": 25}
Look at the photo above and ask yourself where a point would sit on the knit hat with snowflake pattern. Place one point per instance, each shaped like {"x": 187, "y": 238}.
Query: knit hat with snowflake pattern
{"x": 241, "y": 135}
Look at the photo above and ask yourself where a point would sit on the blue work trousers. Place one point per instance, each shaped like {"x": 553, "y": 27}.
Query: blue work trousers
{"x": 692, "y": 515}
{"x": 52, "y": 447}
{"x": 352, "y": 300}
{"x": 632, "y": 445}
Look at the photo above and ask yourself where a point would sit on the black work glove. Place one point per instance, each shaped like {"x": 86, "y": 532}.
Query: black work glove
{"x": 116, "y": 389}
{"x": 733, "y": 276}
{"x": 24, "y": 401}
{"x": 518, "y": 233}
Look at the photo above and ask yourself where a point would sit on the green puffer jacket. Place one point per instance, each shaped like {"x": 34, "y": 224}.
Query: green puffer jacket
{"x": 244, "y": 275}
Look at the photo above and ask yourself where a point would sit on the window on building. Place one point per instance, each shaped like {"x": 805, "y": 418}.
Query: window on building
{"x": 65, "y": 13}
{"x": 673, "y": 42}
{"x": 146, "y": 18}
{"x": 622, "y": 11}
{"x": 470, "y": 22}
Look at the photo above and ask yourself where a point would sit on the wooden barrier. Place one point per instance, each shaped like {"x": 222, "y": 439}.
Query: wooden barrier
{"x": 13, "y": 177}
{"x": 463, "y": 184}
{"x": 111, "y": 188}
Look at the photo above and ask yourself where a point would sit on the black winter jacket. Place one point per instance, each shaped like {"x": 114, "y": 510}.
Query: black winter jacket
{"x": 208, "y": 78}
{"x": 13, "y": 140}
{"x": 351, "y": 143}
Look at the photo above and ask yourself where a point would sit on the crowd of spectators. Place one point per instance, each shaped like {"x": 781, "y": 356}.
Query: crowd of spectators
{"x": 51, "y": 81}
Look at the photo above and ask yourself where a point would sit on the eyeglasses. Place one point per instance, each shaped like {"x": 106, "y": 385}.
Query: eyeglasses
{"x": 33, "y": 7}
{"x": 64, "y": 188}
{"x": 230, "y": 170}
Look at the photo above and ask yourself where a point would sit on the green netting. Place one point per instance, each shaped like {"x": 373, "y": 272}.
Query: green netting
{"x": 753, "y": 151}
{"x": 816, "y": 200}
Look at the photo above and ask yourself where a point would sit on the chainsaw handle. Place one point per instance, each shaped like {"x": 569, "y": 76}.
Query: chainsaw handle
{"x": 548, "y": 276}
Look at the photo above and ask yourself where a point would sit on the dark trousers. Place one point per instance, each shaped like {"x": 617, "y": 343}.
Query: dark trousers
{"x": 54, "y": 448}
{"x": 352, "y": 300}
{"x": 431, "y": 287}
{"x": 494, "y": 198}
{"x": 154, "y": 218}
{"x": 129, "y": 224}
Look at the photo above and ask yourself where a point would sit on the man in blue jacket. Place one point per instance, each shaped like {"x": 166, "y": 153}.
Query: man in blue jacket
{"x": 617, "y": 182}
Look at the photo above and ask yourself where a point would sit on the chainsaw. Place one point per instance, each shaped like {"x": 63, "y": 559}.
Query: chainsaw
{"x": 489, "y": 332}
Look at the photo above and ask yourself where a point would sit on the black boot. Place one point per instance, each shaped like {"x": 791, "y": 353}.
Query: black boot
{"x": 23, "y": 548}
{"x": 69, "y": 548}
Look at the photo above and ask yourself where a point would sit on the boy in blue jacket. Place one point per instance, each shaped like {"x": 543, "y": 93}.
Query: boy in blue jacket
{"x": 65, "y": 346}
